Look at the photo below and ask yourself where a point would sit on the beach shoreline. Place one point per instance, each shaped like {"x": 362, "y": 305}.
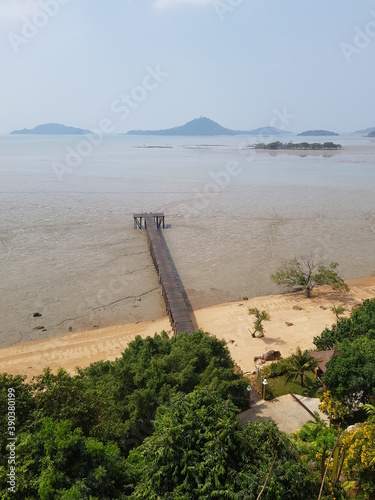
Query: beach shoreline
{"x": 295, "y": 321}
{"x": 69, "y": 251}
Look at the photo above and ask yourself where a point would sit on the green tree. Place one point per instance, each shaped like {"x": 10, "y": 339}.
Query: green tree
{"x": 74, "y": 433}
{"x": 199, "y": 451}
{"x": 361, "y": 323}
{"x": 151, "y": 370}
{"x": 65, "y": 397}
{"x": 299, "y": 364}
{"x": 350, "y": 376}
{"x": 314, "y": 440}
{"x": 118, "y": 400}
{"x": 24, "y": 404}
{"x": 306, "y": 274}
{"x": 338, "y": 310}
{"x": 260, "y": 317}
{"x": 58, "y": 459}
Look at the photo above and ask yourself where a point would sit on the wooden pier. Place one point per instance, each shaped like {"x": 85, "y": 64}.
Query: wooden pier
{"x": 140, "y": 221}
{"x": 175, "y": 303}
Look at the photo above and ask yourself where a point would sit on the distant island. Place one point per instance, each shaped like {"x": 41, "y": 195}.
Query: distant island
{"x": 298, "y": 146}
{"x": 205, "y": 127}
{"x": 371, "y": 134}
{"x": 365, "y": 131}
{"x": 320, "y": 133}
{"x": 52, "y": 129}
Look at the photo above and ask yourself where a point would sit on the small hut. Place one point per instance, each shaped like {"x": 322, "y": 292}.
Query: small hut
{"x": 323, "y": 357}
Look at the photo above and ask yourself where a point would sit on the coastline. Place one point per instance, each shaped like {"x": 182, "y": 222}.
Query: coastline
{"x": 228, "y": 321}
{"x": 68, "y": 250}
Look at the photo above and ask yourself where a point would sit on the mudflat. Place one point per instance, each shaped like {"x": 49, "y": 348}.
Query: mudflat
{"x": 68, "y": 250}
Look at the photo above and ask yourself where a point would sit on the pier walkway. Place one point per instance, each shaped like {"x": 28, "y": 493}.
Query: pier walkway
{"x": 176, "y": 306}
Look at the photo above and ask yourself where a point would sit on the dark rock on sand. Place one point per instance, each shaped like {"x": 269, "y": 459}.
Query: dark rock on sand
{"x": 268, "y": 356}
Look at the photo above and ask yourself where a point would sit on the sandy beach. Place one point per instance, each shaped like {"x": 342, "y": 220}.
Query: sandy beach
{"x": 295, "y": 320}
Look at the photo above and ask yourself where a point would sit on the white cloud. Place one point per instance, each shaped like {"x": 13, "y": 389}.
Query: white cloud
{"x": 16, "y": 9}
{"x": 163, "y": 4}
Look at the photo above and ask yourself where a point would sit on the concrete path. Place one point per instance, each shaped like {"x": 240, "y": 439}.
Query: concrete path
{"x": 285, "y": 411}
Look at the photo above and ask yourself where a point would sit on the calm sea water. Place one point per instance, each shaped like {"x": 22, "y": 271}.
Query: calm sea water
{"x": 69, "y": 251}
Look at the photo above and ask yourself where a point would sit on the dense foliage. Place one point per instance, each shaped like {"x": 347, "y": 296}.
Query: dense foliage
{"x": 350, "y": 380}
{"x": 298, "y": 145}
{"x": 361, "y": 323}
{"x": 74, "y": 432}
{"x": 199, "y": 451}
{"x": 277, "y": 368}
{"x": 359, "y": 463}
{"x": 160, "y": 422}
{"x": 350, "y": 375}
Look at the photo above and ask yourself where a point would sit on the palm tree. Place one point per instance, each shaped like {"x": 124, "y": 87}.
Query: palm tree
{"x": 260, "y": 316}
{"x": 299, "y": 363}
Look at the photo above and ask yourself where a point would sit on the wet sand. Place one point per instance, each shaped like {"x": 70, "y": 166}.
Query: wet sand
{"x": 229, "y": 321}
{"x": 88, "y": 270}
{"x": 68, "y": 250}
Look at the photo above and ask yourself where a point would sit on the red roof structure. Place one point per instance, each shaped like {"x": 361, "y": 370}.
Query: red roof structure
{"x": 323, "y": 357}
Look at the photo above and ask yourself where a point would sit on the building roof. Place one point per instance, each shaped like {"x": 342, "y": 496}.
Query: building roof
{"x": 323, "y": 357}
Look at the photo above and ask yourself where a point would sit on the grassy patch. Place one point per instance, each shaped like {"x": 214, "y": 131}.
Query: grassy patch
{"x": 279, "y": 386}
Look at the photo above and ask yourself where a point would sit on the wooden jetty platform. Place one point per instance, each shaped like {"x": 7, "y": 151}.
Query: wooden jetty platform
{"x": 140, "y": 221}
{"x": 175, "y": 303}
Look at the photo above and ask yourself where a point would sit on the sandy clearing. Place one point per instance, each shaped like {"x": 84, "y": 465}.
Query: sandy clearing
{"x": 230, "y": 322}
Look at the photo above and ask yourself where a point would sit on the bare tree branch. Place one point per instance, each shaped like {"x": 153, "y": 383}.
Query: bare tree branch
{"x": 265, "y": 484}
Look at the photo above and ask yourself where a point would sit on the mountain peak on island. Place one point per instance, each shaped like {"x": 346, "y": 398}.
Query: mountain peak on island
{"x": 197, "y": 126}
{"x": 317, "y": 133}
{"x": 205, "y": 127}
{"x": 52, "y": 129}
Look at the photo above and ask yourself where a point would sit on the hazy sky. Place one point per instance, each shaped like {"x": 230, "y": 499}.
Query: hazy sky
{"x": 159, "y": 63}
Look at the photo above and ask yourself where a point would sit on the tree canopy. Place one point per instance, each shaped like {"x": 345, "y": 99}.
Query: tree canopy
{"x": 361, "y": 323}
{"x": 298, "y": 145}
{"x": 75, "y": 432}
{"x": 160, "y": 422}
{"x": 350, "y": 376}
{"x": 306, "y": 274}
{"x": 199, "y": 451}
